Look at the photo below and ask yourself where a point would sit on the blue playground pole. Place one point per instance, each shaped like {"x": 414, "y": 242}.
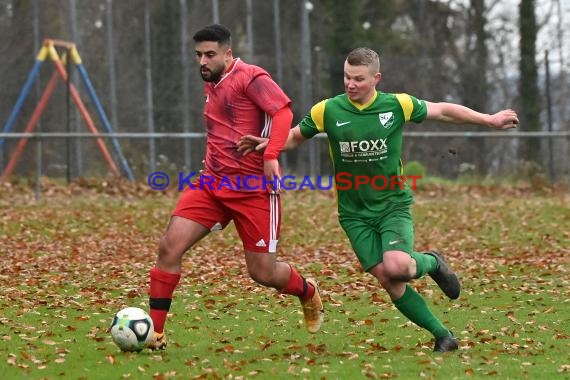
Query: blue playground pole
{"x": 105, "y": 121}
{"x": 20, "y": 102}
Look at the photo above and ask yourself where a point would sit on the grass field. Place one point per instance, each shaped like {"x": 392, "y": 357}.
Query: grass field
{"x": 74, "y": 258}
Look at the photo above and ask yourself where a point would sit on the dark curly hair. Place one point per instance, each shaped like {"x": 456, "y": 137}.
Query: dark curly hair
{"x": 215, "y": 32}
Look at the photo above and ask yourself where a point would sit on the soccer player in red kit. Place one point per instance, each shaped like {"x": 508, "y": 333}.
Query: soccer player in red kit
{"x": 241, "y": 99}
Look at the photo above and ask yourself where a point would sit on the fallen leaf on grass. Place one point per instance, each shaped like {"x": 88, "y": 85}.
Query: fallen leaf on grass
{"x": 11, "y": 359}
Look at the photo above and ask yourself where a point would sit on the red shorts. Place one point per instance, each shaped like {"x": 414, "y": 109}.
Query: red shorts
{"x": 256, "y": 214}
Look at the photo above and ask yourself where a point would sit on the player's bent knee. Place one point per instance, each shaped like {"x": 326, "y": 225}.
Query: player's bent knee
{"x": 167, "y": 251}
{"x": 379, "y": 272}
{"x": 396, "y": 265}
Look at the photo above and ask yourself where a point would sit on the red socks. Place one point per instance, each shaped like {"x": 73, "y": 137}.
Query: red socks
{"x": 297, "y": 286}
{"x": 162, "y": 285}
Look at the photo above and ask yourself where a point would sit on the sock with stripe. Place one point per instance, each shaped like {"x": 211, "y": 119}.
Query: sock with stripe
{"x": 298, "y": 286}
{"x": 162, "y": 285}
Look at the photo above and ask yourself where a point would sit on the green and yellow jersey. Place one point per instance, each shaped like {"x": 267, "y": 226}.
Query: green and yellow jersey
{"x": 365, "y": 142}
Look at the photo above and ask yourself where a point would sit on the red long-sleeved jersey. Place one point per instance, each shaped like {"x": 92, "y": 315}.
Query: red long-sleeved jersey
{"x": 243, "y": 102}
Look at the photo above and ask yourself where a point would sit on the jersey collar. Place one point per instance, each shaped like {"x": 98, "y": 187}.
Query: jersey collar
{"x": 360, "y": 107}
{"x": 228, "y": 71}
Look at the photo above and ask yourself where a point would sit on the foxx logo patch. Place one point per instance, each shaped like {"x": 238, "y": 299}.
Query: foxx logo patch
{"x": 386, "y": 119}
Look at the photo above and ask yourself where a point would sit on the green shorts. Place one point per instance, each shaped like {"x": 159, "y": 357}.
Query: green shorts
{"x": 370, "y": 238}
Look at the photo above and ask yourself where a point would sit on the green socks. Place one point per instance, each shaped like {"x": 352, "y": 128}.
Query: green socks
{"x": 424, "y": 263}
{"x": 413, "y": 306}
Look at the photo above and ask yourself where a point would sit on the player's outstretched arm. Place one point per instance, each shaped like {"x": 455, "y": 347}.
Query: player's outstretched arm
{"x": 455, "y": 113}
{"x": 250, "y": 143}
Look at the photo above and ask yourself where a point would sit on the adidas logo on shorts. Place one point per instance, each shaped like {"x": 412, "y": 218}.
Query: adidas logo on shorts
{"x": 260, "y": 243}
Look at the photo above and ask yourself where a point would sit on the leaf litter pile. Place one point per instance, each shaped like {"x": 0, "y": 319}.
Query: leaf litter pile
{"x": 83, "y": 251}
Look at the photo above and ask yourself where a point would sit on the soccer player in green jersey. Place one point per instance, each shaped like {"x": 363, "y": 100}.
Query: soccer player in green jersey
{"x": 364, "y": 128}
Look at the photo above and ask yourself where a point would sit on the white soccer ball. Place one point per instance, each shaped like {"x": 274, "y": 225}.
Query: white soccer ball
{"x": 132, "y": 329}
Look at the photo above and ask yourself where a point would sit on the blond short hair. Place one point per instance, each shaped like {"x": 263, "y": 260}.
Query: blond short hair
{"x": 364, "y": 56}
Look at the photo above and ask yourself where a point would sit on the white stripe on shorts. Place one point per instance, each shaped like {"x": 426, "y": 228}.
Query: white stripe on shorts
{"x": 273, "y": 221}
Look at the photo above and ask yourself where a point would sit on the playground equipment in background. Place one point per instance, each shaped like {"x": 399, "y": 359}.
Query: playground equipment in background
{"x": 48, "y": 50}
